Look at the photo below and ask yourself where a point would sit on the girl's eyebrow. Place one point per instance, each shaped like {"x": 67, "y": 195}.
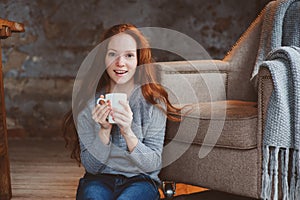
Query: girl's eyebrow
{"x": 133, "y": 50}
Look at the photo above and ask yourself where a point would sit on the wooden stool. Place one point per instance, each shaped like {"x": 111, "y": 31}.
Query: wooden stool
{"x": 6, "y": 29}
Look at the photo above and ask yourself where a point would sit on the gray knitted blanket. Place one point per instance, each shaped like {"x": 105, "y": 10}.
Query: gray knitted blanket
{"x": 282, "y": 127}
{"x": 275, "y": 21}
{"x": 281, "y": 141}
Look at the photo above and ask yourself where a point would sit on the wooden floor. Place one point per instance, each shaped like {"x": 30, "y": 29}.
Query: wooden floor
{"x": 42, "y": 169}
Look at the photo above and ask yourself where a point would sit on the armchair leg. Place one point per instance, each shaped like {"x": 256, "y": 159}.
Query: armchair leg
{"x": 169, "y": 189}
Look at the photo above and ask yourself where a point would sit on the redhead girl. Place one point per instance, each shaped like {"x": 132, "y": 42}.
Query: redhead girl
{"x": 122, "y": 160}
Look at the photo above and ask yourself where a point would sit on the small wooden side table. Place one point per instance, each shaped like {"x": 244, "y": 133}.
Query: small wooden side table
{"x": 6, "y": 29}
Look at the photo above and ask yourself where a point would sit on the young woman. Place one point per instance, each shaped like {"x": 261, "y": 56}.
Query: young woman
{"x": 122, "y": 160}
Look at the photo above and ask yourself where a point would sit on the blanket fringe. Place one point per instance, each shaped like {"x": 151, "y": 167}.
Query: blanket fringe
{"x": 285, "y": 153}
{"x": 275, "y": 173}
{"x": 265, "y": 176}
{"x": 293, "y": 178}
{"x": 290, "y": 178}
{"x": 297, "y": 191}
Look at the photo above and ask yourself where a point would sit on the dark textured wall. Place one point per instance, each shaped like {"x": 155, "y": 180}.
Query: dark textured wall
{"x": 40, "y": 64}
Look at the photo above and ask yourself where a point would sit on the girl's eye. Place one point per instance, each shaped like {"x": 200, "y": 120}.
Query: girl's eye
{"x": 111, "y": 54}
{"x": 130, "y": 55}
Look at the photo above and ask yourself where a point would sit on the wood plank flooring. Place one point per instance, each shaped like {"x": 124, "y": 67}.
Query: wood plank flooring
{"x": 42, "y": 169}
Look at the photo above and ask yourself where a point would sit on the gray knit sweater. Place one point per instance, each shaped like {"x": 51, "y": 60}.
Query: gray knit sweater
{"x": 148, "y": 125}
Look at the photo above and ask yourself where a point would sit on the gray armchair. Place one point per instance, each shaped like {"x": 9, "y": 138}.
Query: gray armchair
{"x": 234, "y": 161}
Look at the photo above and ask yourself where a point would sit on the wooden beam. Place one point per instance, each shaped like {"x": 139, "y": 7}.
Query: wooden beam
{"x": 5, "y": 184}
{"x": 6, "y": 28}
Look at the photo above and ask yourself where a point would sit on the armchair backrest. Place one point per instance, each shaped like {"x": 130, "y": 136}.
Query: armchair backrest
{"x": 241, "y": 59}
{"x": 233, "y": 72}
{"x": 194, "y": 81}
{"x": 277, "y": 25}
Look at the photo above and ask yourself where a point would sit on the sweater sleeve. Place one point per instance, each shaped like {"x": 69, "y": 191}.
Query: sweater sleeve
{"x": 94, "y": 154}
{"x": 147, "y": 155}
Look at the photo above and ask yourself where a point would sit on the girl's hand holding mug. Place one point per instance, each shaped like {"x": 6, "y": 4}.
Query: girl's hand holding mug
{"x": 114, "y": 100}
{"x": 123, "y": 117}
{"x": 101, "y": 112}
{"x": 120, "y": 112}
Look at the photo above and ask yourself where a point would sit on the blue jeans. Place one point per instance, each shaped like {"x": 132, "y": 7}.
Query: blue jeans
{"x": 111, "y": 187}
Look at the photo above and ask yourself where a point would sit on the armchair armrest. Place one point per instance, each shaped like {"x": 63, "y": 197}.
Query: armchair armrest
{"x": 194, "y": 81}
{"x": 199, "y": 65}
{"x": 265, "y": 88}
{"x": 215, "y": 74}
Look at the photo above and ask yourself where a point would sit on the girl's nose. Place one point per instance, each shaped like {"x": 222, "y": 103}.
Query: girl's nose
{"x": 120, "y": 61}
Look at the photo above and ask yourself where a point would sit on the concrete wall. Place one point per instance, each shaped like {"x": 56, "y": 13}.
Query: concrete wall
{"x": 40, "y": 64}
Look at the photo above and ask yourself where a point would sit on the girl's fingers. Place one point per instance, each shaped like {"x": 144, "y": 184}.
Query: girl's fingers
{"x": 119, "y": 117}
{"x": 100, "y": 113}
{"x": 127, "y": 108}
{"x": 125, "y": 105}
{"x": 99, "y": 110}
{"x": 123, "y": 114}
{"x": 123, "y": 119}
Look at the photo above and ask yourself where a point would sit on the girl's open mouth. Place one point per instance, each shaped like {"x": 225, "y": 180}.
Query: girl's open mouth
{"x": 120, "y": 72}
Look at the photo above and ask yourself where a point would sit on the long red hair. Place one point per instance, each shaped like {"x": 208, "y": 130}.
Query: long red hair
{"x": 152, "y": 91}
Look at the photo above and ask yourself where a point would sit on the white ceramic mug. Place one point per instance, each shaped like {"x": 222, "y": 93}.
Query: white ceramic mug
{"x": 114, "y": 99}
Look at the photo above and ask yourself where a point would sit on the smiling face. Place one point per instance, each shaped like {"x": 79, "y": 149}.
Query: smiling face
{"x": 121, "y": 59}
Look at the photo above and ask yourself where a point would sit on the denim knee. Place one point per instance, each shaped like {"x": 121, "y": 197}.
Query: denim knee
{"x": 93, "y": 190}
